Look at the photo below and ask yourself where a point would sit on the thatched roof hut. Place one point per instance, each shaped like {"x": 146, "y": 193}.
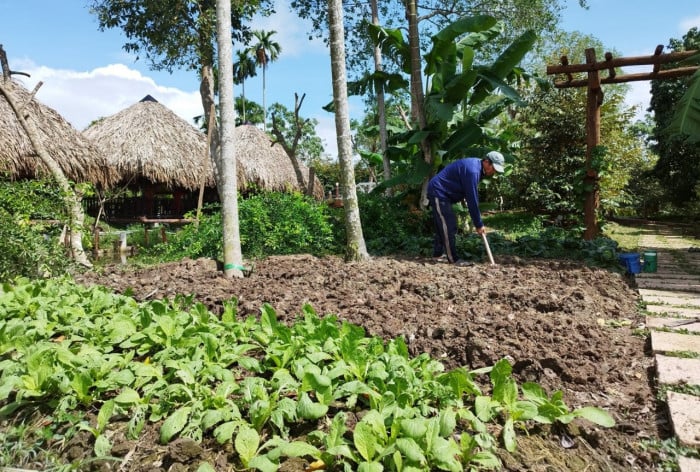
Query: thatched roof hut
{"x": 266, "y": 165}
{"x": 80, "y": 160}
{"x": 149, "y": 141}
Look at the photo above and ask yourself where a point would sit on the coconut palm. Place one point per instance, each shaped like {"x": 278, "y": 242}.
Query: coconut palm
{"x": 266, "y": 50}
{"x": 243, "y": 68}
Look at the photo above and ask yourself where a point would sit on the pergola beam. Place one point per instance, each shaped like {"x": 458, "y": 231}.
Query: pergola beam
{"x": 654, "y": 59}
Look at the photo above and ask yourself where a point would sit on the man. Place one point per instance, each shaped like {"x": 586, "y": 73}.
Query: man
{"x": 456, "y": 182}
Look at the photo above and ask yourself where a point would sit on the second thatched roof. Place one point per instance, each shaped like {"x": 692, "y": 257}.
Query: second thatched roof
{"x": 266, "y": 165}
{"x": 149, "y": 141}
{"x": 78, "y": 158}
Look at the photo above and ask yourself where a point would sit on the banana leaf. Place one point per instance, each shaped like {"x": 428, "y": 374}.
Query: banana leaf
{"x": 686, "y": 118}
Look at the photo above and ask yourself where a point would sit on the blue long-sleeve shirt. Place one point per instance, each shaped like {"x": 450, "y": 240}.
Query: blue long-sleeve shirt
{"x": 459, "y": 181}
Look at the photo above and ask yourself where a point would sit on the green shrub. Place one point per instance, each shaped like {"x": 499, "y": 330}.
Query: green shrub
{"x": 30, "y": 249}
{"x": 283, "y": 223}
{"x": 270, "y": 223}
{"x": 390, "y": 227}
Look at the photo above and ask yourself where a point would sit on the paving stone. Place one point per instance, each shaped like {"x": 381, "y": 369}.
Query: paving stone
{"x": 684, "y": 411}
{"x": 680, "y": 275}
{"x": 673, "y": 310}
{"x": 674, "y": 342}
{"x": 683, "y": 286}
{"x": 688, "y": 464}
{"x": 690, "y": 324}
{"x": 661, "y": 297}
{"x": 676, "y": 370}
{"x": 669, "y": 293}
{"x": 672, "y": 301}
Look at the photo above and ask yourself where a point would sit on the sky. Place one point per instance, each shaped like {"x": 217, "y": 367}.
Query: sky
{"x": 87, "y": 75}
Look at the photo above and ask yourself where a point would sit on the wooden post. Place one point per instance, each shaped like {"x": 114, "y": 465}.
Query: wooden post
{"x": 595, "y": 100}
{"x": 592, "y": 193}
{"x": 96, "y": 241}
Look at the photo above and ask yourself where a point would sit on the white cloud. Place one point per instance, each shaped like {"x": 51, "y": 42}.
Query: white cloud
{"x": 81, "y": 97}
{"x": 638, "y": 96}
{"x": 292, "y": 33}
{"x": 687, "y": 23}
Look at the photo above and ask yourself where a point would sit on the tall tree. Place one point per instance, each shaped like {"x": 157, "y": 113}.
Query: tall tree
{"x": 266, "y": 50}
{"x": 381, "y": 103}
{"x": 182, "y": 33}
{"x": 233, "y": 257}
{"x": 243, "y": 68}
{"x": 356, "y": 249}
{"x": 295, "y": 132}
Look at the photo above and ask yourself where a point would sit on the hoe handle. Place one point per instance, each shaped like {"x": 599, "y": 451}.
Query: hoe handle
{"x": 488, "y": 249}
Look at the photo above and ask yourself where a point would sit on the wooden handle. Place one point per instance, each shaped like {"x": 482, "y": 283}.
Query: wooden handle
{"x": 488, "y": 249}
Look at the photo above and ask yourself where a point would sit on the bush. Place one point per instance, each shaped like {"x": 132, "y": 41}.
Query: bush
{"x": 390, "y": 227}
{"x": 270, "y": 223}
{"x": 30, "y": 250}
{"x": 282, "y": 223}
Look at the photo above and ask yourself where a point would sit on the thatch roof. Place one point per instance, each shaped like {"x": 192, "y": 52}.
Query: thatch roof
{"x": 79, "y": 159}
{"x": 149, "y": 141}
{"x": 266, "y": 165}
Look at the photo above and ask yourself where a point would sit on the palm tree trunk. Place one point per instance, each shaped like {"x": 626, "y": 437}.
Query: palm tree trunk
{"x": 264, "y": 107}
{"x": 243, "y": 102}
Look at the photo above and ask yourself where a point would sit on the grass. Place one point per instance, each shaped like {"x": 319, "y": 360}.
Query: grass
{"x": 627, "y": 237}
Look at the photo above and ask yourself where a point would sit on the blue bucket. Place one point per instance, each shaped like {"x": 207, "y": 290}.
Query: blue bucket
{"x": 631, "y": 262}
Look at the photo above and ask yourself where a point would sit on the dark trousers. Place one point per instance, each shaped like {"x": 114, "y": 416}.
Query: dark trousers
{"x": 445, "y": 222}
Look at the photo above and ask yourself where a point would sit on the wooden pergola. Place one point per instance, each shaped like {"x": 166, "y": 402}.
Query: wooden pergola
{"x": 593, "y": 69}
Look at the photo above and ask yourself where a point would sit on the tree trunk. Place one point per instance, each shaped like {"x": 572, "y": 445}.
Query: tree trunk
{"x": 356, "y": 249}
{"x": 206, "y": 91}
{"x": 291, "y": 149}
{"x": 381, "y": 105}
{"x": 75, "y": 210}
{"x": 417, "y": 97}
{"x": 264, "y": 106}
{"x": 233, "y": 257}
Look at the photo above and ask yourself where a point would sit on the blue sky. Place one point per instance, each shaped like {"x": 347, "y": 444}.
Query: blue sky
{"x": 87, "y": 74}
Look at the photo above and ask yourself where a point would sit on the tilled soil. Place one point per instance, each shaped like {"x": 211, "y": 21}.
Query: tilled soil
{"x": 561, "y": 324}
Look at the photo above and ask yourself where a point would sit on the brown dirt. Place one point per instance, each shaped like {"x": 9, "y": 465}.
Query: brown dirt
{"x": 563, "y": 325}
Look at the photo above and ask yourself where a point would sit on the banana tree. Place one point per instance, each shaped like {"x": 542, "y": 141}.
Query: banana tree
{"x": 462, "y": 96}
{"x": 686, "y": 119}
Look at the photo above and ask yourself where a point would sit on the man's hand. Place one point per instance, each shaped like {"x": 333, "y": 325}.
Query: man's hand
{"x": 481, "y": 230}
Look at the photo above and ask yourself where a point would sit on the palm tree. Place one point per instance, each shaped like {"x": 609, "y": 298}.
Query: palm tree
{"x": 266, "y": 50}
{"x": 243, "y": 68}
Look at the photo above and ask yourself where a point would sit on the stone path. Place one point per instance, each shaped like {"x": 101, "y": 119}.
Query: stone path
{"x": 672, "y": 299}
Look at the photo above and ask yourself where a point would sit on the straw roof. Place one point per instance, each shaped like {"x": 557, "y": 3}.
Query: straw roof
{"x": 148, "y": 140}
{"x": 80, "y": 160}
{"x": 266, "y": 165}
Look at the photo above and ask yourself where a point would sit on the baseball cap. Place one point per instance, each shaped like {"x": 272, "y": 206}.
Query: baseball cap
{"x": 497, "y": 160}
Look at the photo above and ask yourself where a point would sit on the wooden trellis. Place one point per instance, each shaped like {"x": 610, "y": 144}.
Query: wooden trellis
{"x": 593, "y": 69}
